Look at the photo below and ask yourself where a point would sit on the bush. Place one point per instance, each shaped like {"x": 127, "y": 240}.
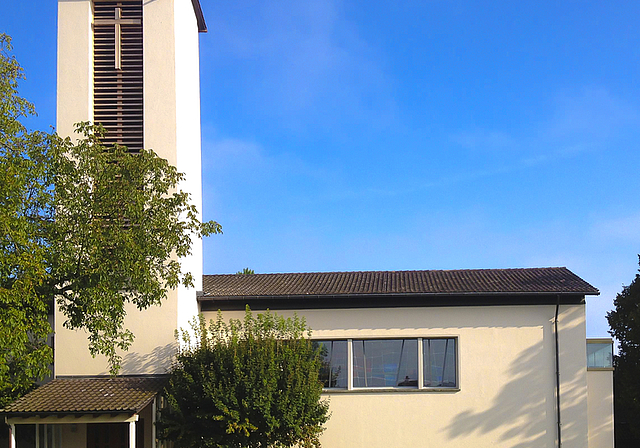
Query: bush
{"x": 247, "y": 383}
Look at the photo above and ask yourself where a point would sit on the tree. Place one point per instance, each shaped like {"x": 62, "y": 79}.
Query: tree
{"x": 25, "y": 212}
{"x": 250, "y": 383}
{"x": 625, "y": 327}
{"x": 246, "y": 271}
{"x": 89, "y": 226}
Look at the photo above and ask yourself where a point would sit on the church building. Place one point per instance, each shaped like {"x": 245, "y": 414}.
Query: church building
{"x": 462, "y": 358}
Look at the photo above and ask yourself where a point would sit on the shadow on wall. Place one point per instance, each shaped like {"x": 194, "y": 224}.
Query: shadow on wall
{"x": 519, "y": 413}
{"x": 598, "y": 428}
{"x": 158, "y": 361}
{"x": 523, "y": 414}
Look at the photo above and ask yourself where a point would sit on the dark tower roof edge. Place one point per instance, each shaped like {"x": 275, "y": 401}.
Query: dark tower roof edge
{"x": 202, "y": 26}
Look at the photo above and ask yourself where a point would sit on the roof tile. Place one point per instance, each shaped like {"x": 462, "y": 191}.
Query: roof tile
{"x": 89, "y": 395}
{"x": 556, "y": 280}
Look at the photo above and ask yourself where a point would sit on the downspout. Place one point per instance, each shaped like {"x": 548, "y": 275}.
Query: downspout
{"x": 558, "y": 375}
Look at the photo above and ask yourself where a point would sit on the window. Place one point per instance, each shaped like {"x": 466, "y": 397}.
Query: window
{"x": 439, "y": 357}
{"x": 599, "y": 354}
{"x": 389, "y": 363}
{"x": 333, "y": 370}
{"x": 385, "y": 363}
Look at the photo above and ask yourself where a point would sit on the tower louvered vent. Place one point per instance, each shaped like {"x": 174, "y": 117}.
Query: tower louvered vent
{"x": 117, "y": 66}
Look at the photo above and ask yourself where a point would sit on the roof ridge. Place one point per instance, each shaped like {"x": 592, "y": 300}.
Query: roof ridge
{"x": 393, "y": 271}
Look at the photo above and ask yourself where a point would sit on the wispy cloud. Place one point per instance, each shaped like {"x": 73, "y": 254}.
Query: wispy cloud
{"x": 484, "y": 139}
{"x": 230, "y": 153}
{"x": 586, "y": 120}
{"x": 243, "y": 166}
{"x": 308, "y": 60}
{"x": 591, "y": 115}
{"x": 625, "y": 228}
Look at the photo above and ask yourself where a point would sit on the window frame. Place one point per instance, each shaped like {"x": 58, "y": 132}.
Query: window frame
{"x": 420, "y": 368}
{"x": 602, "y": 342}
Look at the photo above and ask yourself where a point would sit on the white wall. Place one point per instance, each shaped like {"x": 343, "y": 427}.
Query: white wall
{"x": 600, "y": 403}
{"x": 188, "y": 155}
{"x": 507, "y": 379}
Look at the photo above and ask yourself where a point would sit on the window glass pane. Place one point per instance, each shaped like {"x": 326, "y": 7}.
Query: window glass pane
{"x": 385, "y": 363}
{"x": 439, "y": 362}
{"x": 333, "y": 370}
{"x": 600, "y": 355}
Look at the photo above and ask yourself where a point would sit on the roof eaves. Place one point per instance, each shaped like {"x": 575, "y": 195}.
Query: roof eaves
{"x": 208, "y": 297}
{"x": 202, "y": 26}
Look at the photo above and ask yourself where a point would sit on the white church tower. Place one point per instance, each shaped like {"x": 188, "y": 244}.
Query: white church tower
{"x": 133, "y": 66}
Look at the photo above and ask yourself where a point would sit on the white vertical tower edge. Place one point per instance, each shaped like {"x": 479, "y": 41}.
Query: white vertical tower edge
{"x": 188, "y": 142}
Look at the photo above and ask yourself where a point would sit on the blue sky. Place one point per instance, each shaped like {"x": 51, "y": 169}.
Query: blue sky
{"x": 363, "y": 135}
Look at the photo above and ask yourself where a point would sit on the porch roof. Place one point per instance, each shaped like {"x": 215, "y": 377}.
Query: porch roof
{"x": 77, "y": 396}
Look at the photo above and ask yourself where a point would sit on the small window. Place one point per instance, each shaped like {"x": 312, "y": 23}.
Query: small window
{"x": 439, "y": 357}
{"x": 385, "y": 363}
{"x": 333, "y": 368}
{"x": 599, "y": 354}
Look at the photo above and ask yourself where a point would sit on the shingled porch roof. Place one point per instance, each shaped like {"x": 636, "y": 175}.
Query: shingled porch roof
{"x": 81, "y": 396}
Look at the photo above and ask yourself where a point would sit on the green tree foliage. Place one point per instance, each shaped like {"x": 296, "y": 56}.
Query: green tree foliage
{"x": 625, "y": 327}
{"x": 90, "y": 226}
{"x": 246, "y": 271}
{"x": 25, "y": 220}
{"x": 251, "y": 383}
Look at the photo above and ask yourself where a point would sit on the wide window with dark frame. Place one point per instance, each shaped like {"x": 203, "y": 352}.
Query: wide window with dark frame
{"x": 333, "y": 368}
{"x": 389, "y": 363}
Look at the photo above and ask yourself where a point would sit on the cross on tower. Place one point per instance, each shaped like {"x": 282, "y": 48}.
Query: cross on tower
{"x": 118, "y": 21}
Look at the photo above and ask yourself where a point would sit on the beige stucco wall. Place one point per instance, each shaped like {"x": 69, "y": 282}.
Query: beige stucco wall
{"x": 507, "y": 379}
{"x": 151, "y": 351}
{"x": 75, "y": 73}
{"x": 600, "y": 404}
{"x": 172, "y": 129}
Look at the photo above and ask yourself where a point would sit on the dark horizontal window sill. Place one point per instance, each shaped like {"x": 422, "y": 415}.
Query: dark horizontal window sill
{"x": 369, "y": 390}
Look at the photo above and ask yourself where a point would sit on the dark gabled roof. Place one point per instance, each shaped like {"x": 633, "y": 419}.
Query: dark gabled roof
{"x": 202, "y": 26}
{"x": 88, "y": 396}
{"x": 456, "y": 282}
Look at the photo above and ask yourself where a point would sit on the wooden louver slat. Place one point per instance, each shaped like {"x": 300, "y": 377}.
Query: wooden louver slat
{"x": 118, "y": 92}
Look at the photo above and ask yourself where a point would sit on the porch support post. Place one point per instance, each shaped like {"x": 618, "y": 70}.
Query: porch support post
{"x": 12, "y": 436}
{"x": 37, "y": 435}
{"x": 154, "y": 409}
{"x": 132, "y": 434}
